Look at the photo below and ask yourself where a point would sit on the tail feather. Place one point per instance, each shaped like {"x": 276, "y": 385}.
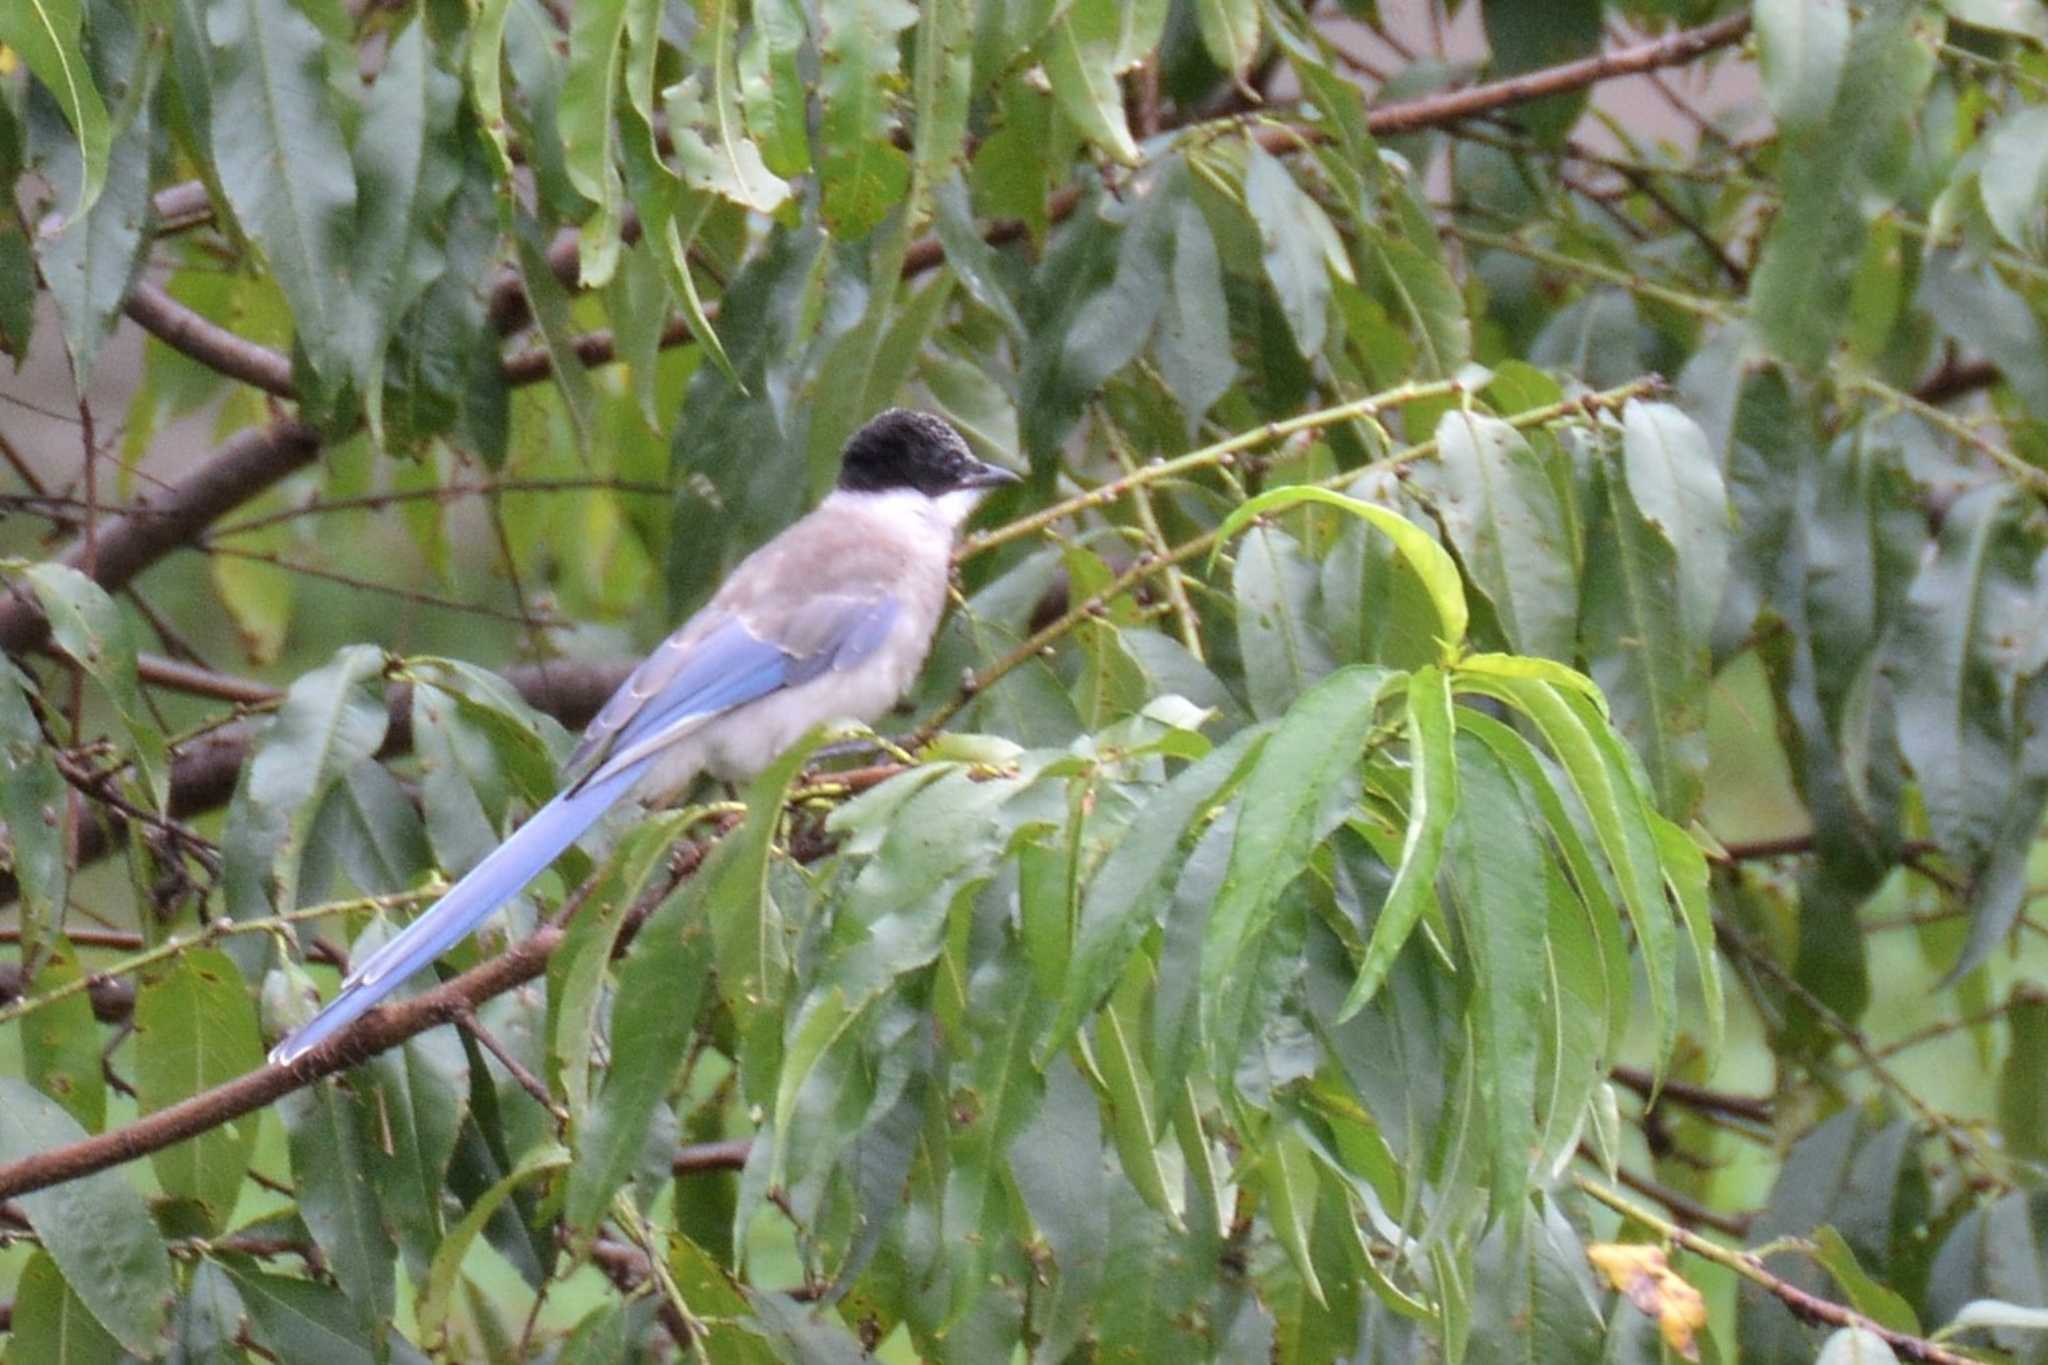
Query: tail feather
{"x": 488, "y": 885}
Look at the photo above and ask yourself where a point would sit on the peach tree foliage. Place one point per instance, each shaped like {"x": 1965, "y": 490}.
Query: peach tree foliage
{"x": 1486, "y": 577}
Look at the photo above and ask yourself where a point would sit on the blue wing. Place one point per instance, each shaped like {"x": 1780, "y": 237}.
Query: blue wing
{"x": 714, "y": 664}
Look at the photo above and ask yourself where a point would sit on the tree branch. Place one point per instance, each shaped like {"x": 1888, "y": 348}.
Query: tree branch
{"x": 204, "y": 771}
{"x": 212, "y": 345}
{"x": 125, "y": 545}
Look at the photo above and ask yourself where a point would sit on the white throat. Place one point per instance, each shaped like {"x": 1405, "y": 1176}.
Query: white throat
{"x": 911, "y": 509}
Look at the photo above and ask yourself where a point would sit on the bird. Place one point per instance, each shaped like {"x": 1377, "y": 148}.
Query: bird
{"x": 830, "y": 620}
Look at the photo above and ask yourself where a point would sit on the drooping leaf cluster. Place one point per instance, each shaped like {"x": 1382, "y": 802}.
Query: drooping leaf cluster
{"x": 1486, "y": 576}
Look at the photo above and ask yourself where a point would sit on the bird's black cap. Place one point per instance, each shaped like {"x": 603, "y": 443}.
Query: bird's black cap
{"x": 901, "y": 449}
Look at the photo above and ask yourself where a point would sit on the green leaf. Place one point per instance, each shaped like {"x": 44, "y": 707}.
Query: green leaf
{"x": 713, "y": 151}
{"x": 1133, "y": 886}
{"x": 61, "y": 1043}
{"x": 90, "y": 265}
{"x": 407, "y": 161}
{"x": 486, "y": 77}
{"x": 862, "y": 173}
{"x": 1676, "y": 484}
{"x": 1079, "y": 55}
{"x": 304, "y": 1320}
{"x": 45, "y": 33}
{"x": 557, "y": 330}
{"x": 1501, "y": 510}
{"x": 438, "y": 1289}
{"x": 945, "y": 84}
{"x": 272, "y": 108}
{"x": 1295, "y": 235}
{"x": 654, "y": 1016}
{"x": 732, "y": 886}
{"x": 1603, "y": 774}
{"x": 1131, "y": 1123}
{"x": 2023, "y": 1080}
{"x": 1495, "y": 856}
{"x": 1685, "y": 872}
{"x": 1301, "y": 784}
{"x": 95, "y": 1227}
{"x": 1963, "y": 659}
{"x": 1642, "y": 648}
{"x": 1526, "y": 35}
{"x": 590, "y": 130}
{"x": 32, "y": 796}
{"x": 1427, "y": 296}
{"x": 1803, "y": 45}
{"x": 332, "y": 1134}
{"x": 1433, "y": 800}
{"x": 85, "y": 624}
{"x": 1431, "y": 563}
{"x": 772, "y": 86}
{"x": 2014, "y": 177}
{"x": 329, "y": 721}
{"x": 1278, "y": 635}
{"x": 1866, "y": 1295}
{"x": 1193, "y": 341}
{"x": 195, "y": 1028}
{"x": 51, "y": 1325}
{"x": 420, "y": 1092}
{"x": 1289, "y": 1181}
{"x": 1230, "y": 32}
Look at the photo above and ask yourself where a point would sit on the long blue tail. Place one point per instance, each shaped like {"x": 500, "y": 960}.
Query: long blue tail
{"x": 492, "y": 882}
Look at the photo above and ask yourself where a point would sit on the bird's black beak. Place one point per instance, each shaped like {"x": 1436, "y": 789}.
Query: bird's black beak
{"x": 985, "y": 475}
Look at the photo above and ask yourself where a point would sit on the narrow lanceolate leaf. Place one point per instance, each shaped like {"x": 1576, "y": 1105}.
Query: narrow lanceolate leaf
{"x": 1653, "y": 670}
{"x": 1289, "y": 1180}
{"x": 2014, "y": 177}
{"x": 589, "y": 130}
{"x": 96, "y": 1227}
{"x": 1803, "y": 45}
{"x": 486, "y": 76}
{"x": 713, "y": 151}
{"x": 1603, "y": 775}
{"x": 331, "y": 1134}
{"x": 1294, "y": 233}
{"x": 1278, "y": 628}
{"x": 1432, "y": 802}
{"x": 945, "y": 83}
{"x": 1676, "y": 483}
{"x": 1495, "y": 859}
{"x": 654, "y": 1016}
{"x": 1079, "y": 56}
{"x": 1424, "y": 293}
{"x": 445, "y": 1273}
{"x": 329, "y": 722}
{"x": 772, "y": 86}
{"x": 282, "y": 163}
{"x": 90, "y": 265}
{"x": 407, "y": 167}
{"x": 1134, "y": 885}
{"x": 85, "y": 624}
{"x": 61, "y": 1042}
{"x": 50, "y": 1323}
{"x": 863, "y": 173}
{"x": 1685, "y": 873}
{"x": 1230, "y": 31}
{"x": 45, "y": 33}
{"x": 1301, "y": 785}
{"x": 1193, "y": 341}
{"x": 1430, "y": 561}
{"x": 195, "y": 1028}
{"x": 1502, "y": 511}
{"x": 299, "y": 1319}
{"x": 31, "y": 806}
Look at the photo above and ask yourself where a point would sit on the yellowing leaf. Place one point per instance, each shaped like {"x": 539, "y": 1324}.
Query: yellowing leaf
{"x": 1646, "y": 1277}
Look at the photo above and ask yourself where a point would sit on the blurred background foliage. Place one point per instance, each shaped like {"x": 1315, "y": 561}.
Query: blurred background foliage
{"x": 1480, "y": 801}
